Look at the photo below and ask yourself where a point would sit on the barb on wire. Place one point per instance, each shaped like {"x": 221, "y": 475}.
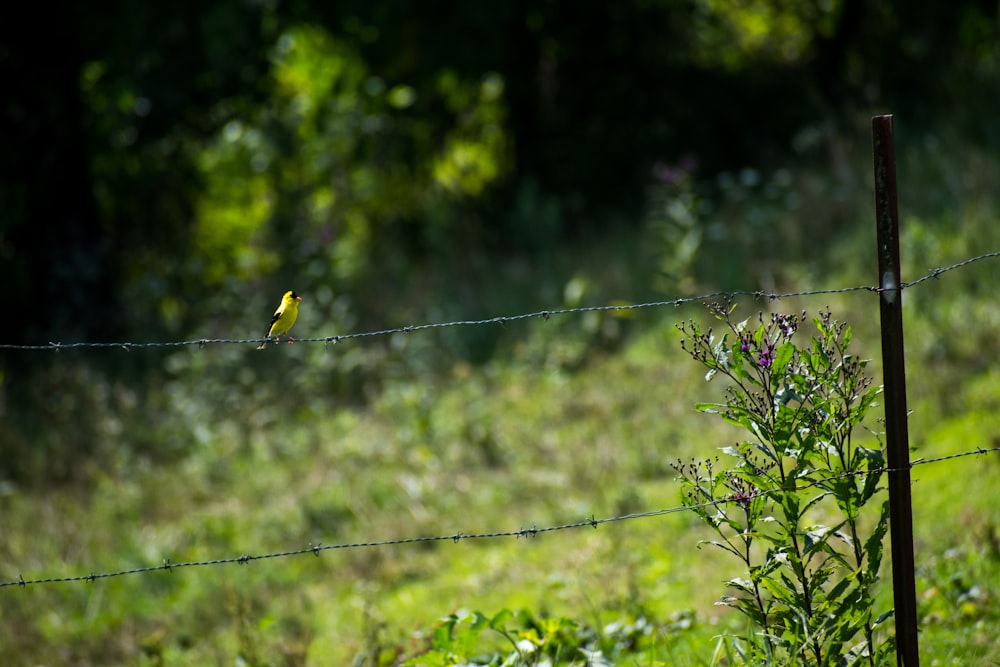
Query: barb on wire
{"x": 316, "y": 549}
{"x": 504, "y": 319}
{"x": 934, "y": 273}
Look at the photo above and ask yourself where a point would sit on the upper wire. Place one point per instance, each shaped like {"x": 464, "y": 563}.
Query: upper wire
{"x": 503, "y": 319}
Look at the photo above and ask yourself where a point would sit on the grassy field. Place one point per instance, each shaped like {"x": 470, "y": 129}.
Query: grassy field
{"x": 575, "y": 417}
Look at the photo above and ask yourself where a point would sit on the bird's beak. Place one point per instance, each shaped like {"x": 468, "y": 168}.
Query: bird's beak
{"x": 298, "y": 298}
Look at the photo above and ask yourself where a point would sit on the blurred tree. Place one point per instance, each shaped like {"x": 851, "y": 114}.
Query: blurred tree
{"x": 109, "y": 113}
{"x": 97, "y": 124}
{"x": 158, "y": 162}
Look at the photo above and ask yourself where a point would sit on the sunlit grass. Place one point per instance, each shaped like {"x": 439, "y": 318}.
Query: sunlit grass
{"x": 572, "y": 419}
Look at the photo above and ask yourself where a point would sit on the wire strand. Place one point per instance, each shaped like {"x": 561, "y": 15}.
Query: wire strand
{"x": 317, "y": 549}
{"x": 504, "y": 319}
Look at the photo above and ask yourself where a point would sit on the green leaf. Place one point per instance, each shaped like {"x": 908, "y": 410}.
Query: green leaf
{"x": 787, "y": 394}
{"x": 741, "y": 584}
{"x": 874, "y": 545}
{"x": 721, "y": 353}
{"x": 500, "y": 619}
{"x": 782, "y": 357}
{"x": 876, "y": 461}
{"x": 722, "y": 545}
{"x": 442, "y": 633}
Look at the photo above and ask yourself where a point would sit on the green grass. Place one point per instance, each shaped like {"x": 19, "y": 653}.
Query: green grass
{"x": 574, "y": 417}
{"x": 478, "y": 453}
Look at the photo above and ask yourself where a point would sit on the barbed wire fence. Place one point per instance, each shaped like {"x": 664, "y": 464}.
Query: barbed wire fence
{"x": 527, "y": 533}
{"x": 504, "y": 319}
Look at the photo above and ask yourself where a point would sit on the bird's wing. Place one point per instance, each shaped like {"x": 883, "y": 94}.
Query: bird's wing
{"x": 274, "y": 318}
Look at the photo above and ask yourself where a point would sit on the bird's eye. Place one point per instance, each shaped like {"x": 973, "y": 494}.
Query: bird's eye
{"x": 293, "y": 295}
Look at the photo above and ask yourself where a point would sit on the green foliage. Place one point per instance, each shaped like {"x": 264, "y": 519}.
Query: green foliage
{"x": 529, "y": 639}
{"x": 808, "y": 587}
{"x": 676, "y": 218}
{"x": 737, "y": 34}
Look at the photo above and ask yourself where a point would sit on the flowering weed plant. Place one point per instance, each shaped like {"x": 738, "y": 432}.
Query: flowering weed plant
{"x": 797, "y": 501}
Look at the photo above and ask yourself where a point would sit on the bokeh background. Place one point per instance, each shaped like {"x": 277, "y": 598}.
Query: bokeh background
{"x": 168, "y": 170}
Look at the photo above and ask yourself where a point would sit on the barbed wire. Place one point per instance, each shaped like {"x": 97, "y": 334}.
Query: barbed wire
{"x": 934, "y": 273}
{"x": 317, "y": 549}
{"x": 504, "y": 319}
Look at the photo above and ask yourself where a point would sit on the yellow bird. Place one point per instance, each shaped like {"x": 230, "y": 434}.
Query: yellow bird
{"x": 284, "y": 317}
